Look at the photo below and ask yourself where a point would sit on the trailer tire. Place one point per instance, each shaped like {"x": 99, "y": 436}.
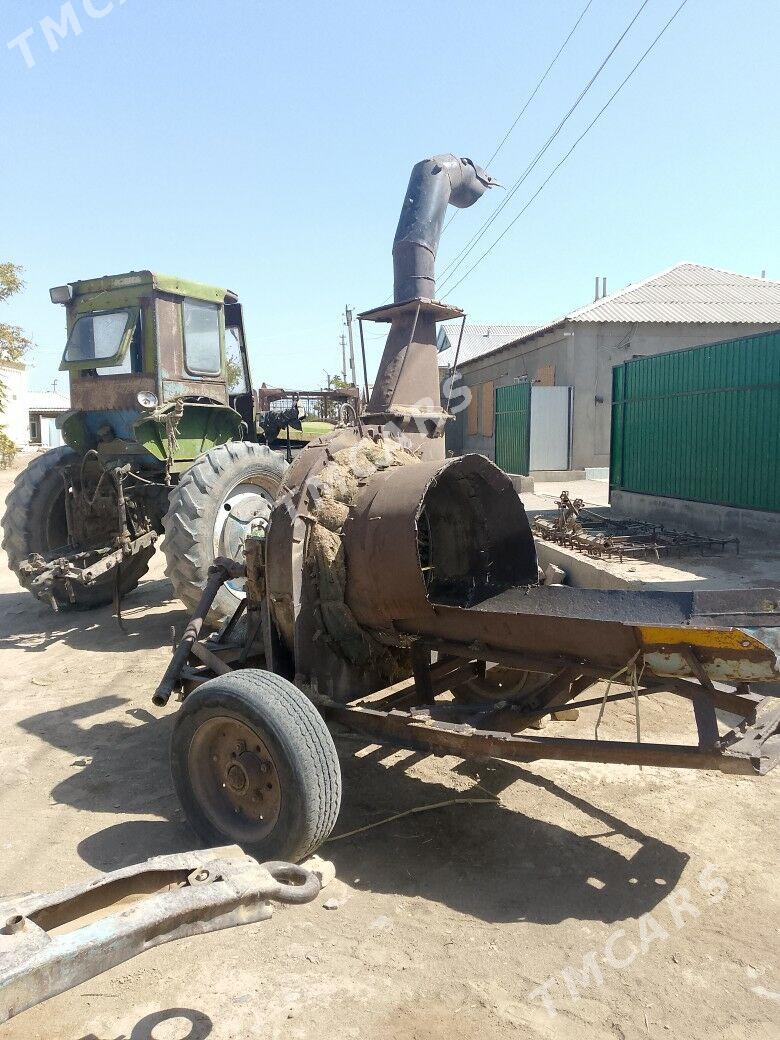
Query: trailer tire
{"x": 195, "y": 524}
{"x": 500, "y": 682}
{"x": 35, "y": 522}
{"x": 253, "y": 730}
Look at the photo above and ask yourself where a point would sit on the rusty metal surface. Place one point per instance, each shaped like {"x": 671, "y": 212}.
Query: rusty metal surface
{"x": 172, "y": 378}
{"x": 597, "y": 535}
{"x": 436, "y": 555}
{"x": 754, "y": 752}
{"x": 221, "y": 570}
{"x": 463, "y": 569}
{"x": 52, "y": 942}
{"x": 107, "y": 393}
{"x": 406, "y": 389}
{"x": 453, "y": 531}
{"x": 43, "y": 574}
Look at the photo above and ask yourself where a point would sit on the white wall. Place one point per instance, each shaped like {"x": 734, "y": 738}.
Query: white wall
{"x": 13, "y": 415}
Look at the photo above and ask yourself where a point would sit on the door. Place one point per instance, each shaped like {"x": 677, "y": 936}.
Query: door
{"x": 240, "y": 393}
{"x": 51, "y": 437}
{"x": 512, "y": 423}
{"x": 550, "y": 427}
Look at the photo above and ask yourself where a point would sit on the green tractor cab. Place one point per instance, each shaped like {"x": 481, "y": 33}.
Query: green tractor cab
{"x": 164, "y": 436}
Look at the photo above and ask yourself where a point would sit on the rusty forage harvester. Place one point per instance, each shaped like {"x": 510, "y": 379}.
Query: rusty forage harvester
{"x": 372, "y": 524}
{"x": 396, "y": 592}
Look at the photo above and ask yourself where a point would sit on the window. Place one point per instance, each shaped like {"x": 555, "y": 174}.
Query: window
{"x": 201, "y": 338}
{"x": 133, "y": 360}
{"x": 98, "y": 337}
{"x": 236, "y": 377}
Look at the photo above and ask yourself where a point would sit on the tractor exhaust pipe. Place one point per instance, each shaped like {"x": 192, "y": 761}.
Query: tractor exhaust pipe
{"x": 406, "y": 395}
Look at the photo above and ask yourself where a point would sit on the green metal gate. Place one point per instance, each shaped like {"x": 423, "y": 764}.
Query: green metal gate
{"x": 701, "y": 424}
{"x": 513, "y": 427}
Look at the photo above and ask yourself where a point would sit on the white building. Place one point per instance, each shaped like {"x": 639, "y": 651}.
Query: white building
{"x": 45, "y": 407}
{"x": 569, "y": 361}
{"x": 13, "y": 412}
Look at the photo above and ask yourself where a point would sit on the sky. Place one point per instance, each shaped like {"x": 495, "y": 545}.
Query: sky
{"x": 265, "y": 146}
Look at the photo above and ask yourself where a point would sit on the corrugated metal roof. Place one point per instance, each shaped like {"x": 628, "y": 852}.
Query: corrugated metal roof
{"x": 689, "y": 293}
{"x": 477, "y": 340}
{"x": 47, "y": 401}
{"x": 683, "y": 293}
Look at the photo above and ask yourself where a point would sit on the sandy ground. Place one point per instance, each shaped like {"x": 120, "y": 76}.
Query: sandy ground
{"x": 448, "y": 920}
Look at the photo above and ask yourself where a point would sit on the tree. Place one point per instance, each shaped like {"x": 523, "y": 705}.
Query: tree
{"x": 14, "y": 344}
{"x": 235, "y": 372}
{"x": 337, "y": 383}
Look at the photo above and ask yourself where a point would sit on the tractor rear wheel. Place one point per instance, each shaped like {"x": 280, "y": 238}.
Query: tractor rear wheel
{"x": 209, "y": 513}
{"x": 253, "y": 763}
{"x": 35, "y": 522}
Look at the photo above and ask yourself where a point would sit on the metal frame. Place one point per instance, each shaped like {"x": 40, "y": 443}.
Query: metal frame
{"x": 409, "y": 714}
{"x": 53, "y": 941}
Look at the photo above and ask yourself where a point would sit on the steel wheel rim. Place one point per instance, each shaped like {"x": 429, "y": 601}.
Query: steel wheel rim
{"x": 244, "y": 503}
{"x": 235, "y": 779}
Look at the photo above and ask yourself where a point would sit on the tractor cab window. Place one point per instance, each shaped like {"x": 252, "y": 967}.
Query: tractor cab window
{"x": 98, "y": 337}
{"x": 234, "y": 360}
{"x": 133, "y": 360}
{"x": 201, "y": 338}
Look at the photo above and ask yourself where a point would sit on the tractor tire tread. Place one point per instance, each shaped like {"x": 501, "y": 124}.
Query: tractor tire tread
{"x": 18, "y": 536}
{"x": 188, "y": 553}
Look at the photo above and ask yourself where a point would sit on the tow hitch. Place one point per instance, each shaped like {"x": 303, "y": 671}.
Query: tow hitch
{"x": 53, "y": 941}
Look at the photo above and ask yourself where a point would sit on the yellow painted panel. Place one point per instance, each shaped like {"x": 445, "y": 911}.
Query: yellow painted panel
{"x": 716, "y": 638}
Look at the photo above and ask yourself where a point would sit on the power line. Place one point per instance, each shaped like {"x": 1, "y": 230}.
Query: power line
{"x": 461, "y": 256}
{"x": 560, "y": 163}
{"x": 538, "y": 86}
{"x": 531, "y": 96}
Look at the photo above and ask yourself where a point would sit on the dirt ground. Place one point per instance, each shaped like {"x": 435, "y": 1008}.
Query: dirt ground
{"x": 448, "y": 921}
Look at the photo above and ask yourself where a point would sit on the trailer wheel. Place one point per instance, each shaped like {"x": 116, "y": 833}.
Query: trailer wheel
{"x": 253, "y": 763}
{"x": 209, "y": 513}
{"x": 500, "y": 682}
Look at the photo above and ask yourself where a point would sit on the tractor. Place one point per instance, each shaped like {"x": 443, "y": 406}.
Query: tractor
{"x": 164, "y": 436}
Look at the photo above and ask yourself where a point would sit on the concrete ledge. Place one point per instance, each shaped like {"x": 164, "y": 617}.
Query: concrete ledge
{"x": 558, "y": 474}
{"x": 597, "y": 472}
{"x": 583, "y": 572}
{"x": 702, "y": 517}
{"x": 521, "y": 482}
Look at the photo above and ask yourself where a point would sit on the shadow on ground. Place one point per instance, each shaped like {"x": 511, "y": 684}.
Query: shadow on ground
{"x": 200, "y": 1025}
{"x": 485, "y": 860}
{"x": 29, "y": 625}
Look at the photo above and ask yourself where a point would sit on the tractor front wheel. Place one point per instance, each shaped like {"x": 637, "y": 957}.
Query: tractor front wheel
{"x": 209, "y": 513}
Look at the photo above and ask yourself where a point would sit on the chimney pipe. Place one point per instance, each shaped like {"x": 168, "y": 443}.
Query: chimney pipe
{"x": 603, "y": 287}
{"x": 433, "y": 185}
{"x": 406, "y": 390}
{"x": 596, "y": 293}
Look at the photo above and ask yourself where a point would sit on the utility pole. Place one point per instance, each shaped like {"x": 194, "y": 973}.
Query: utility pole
{"x": 348, "y": 315}
{"x": 342, "y": 340}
